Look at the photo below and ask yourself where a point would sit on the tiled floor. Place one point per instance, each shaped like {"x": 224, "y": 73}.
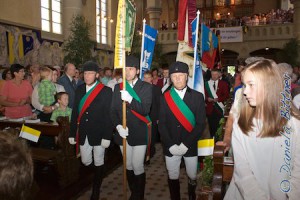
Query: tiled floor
{"x": 156, "y": 182}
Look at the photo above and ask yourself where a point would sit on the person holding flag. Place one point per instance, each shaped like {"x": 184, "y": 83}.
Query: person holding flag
{"x": 138, "y": 95}
{"x": 181, "y": 124}
{"x": 92, "y": 130}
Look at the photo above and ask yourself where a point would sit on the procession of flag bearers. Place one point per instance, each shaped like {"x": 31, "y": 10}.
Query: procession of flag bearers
{"x": 181, "y": 122}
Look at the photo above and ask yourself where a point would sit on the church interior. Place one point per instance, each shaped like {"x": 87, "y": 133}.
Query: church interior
{"x": 37, "y": 32}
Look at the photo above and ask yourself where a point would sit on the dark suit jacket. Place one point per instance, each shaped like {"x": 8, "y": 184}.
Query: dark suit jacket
{"x": 137, "y": 128}
{"x": 65, "y": 81}
{"x": 94, "y": 123}
{"x": 172, "y": 132}
{"x": 156, "y": 94}
{"x": 223, "y": 95}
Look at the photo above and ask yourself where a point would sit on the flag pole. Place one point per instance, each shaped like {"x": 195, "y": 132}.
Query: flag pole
{"x": 142, "y": 50}
{"x": 124, "y": 103}
{"x": 195, "y": 46}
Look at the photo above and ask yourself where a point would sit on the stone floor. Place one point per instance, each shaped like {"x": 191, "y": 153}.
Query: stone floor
{"x": 156, "y": 182}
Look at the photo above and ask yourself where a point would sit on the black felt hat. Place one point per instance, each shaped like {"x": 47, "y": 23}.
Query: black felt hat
{"x": 132, "y": 61}
{"x": 178, "y": 67}
{"x": 90, "y": 66}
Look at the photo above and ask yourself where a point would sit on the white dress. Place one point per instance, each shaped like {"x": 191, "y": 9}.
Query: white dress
{"x": 261, "y": 165}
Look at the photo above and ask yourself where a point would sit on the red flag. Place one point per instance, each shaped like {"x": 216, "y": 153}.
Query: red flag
{"x": 186, "y": 6}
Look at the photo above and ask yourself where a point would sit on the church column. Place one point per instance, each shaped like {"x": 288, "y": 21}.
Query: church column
{"x": 154, "y": 11}
{"x": 70, "y": 9}
{"x": 297, "y": 19}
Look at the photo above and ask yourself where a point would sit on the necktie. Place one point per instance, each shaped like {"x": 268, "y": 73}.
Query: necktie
{"x": 74, "y": 83}
{"x": 166, "y": 81}
{"x": 214, "y": 85}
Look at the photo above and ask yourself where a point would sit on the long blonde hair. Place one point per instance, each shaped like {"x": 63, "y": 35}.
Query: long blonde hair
{"x": 270, "y": 85}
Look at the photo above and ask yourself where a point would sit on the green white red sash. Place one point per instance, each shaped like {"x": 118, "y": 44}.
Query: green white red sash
{"x": 145, "y": 119}
{"x": 212, "y": 94}
{"x": 84, "y": 103}
{"x": 180, "y": 110}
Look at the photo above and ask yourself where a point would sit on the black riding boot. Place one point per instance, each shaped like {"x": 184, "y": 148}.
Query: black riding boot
{"x": 97, "y": 182}
{"x": 140, "y": 182}
{"x": 192, "y": 184}
{"x": 174, "y": 187}
{"x": 130, "y": 179}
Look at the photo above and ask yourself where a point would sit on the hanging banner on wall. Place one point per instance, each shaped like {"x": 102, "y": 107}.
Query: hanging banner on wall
{"x": 231, "y": 34}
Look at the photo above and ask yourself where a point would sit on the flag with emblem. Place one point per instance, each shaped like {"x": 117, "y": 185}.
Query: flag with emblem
{"x": 29, "y": 133}
{"x": 124, "y": 31}
{"x": 148, "y": 44}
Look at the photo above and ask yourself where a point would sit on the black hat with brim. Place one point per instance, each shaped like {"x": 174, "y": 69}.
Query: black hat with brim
{"x": 90, "y": 66}
{"x": 132, "y": 61}
{"x": 177, "y": 67}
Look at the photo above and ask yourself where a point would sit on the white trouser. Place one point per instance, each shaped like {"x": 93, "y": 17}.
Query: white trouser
{"x": 135, "y": 156}
{"x": 173, "y": 166}
{"x": 86, "y": 153}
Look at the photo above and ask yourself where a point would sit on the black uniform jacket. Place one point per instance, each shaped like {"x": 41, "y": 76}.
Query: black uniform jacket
{"x": 137, "y": 128}
{"x": 95, "y": 122}
{"x": 172, "y": 132}
{"x": 156, "y": 94}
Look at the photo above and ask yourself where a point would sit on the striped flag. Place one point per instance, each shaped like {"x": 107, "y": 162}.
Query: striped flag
{"x": 30, "y": 133}
{"x": 206, "y": 147}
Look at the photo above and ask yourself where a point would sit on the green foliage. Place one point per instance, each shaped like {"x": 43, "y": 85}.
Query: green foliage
{"x": 289, "y": 53}
{"x": 208, "y": 170}
{"x": 78, "y": 46}
{"x": 219, "y": 135}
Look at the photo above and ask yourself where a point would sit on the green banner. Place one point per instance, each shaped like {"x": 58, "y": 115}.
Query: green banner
{"x": 130, "y": 24}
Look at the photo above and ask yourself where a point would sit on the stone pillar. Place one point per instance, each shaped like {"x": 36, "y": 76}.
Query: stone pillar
{"x": 154, "y": 11}
{"x": 70, "y": 9}
{"x": 297, "y": 19}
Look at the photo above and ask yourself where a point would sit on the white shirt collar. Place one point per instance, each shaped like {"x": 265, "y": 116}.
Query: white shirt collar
{"x": 71, "y": 79}
{"x": 89, "y": 87}
{"x": 181, "y": 93}
{"x": 133, "y": 82}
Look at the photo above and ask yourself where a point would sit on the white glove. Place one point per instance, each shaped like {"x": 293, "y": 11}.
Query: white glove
{"x": 125, "y": 96}
{"x": 72, "y": 141}
{"x": 122, "y": 132}
{"x": 183, "y": 149}
{"x": 174, "y": 150}
{"x": 105, "y": 143}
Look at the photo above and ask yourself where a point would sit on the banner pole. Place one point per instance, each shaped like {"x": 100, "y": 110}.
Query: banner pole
{"x": 195, "y": 46}
{"x": 142, "y": 50}
{"x": 124, "y": 103}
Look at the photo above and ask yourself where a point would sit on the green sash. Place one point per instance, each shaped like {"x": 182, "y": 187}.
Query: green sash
{"x": 145, "y": 119}
{"x": 84, "y": 103}
{"x": 180, "y": 110}
{"x": 216, "y": 104}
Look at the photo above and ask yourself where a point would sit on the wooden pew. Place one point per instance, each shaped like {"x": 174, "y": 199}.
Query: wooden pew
{"x": 223, "y": 172}
{"x": 63, "y": 157}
